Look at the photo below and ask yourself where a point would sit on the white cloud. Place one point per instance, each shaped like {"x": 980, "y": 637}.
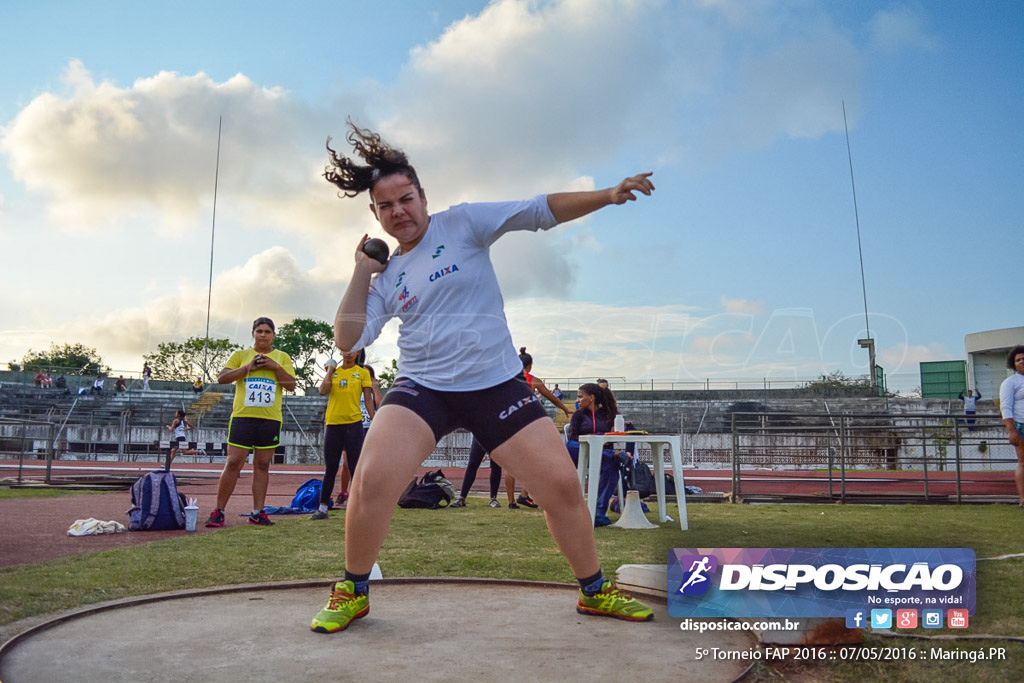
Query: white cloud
{"x": 524, "y": 97}
{"x": 902, "y": 357}
{"x": 535, "y": 92}
{"x": 270, "y": 283}
{"x": 101, "y": 154}
{"x": 741, "y": 306}
{"x": 900, "y": 27}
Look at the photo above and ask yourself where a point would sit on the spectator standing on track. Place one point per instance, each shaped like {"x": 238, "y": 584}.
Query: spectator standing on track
{"x": 260, "y": 375}
{"x": 346, "y": 384}
{"x": 476, "y": 457}
{"x": 346, "y": 474}
{"x": 1011, "y": 406}
{"x": 970, "y": 406}
{"x": 538, "y": 387}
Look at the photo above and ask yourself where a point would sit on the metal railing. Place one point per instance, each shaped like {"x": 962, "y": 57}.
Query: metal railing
{"x": 941, "y": 458}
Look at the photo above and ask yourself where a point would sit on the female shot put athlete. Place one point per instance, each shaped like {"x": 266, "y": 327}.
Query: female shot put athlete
{"x": 457, "y": 365}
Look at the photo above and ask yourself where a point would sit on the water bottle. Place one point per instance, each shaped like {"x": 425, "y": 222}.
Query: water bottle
{"x": 620, "y": 424}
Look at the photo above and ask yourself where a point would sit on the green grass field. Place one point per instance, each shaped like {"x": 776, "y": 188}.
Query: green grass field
{"x": 483, "y": 542}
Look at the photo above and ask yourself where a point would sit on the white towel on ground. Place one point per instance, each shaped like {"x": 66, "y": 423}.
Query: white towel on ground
{"x": 88, "y": 527}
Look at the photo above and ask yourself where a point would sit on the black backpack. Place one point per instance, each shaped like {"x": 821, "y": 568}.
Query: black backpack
{"x": 428, "y": 493}
{"x": 643, "y": 480}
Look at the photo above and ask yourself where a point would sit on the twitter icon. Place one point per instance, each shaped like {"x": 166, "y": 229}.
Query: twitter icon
{"x": 881, "y": 618}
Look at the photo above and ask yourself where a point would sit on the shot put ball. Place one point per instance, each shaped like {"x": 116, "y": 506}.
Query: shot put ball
{"x": 376, "y": 249}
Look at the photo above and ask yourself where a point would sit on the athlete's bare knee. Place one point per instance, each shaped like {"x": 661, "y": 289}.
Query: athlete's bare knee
{"x": 371, "y": 482}
{"x": 234, "y": 464}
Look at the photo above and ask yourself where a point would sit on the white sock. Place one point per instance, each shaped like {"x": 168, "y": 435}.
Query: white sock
{"x": 256, "y": 512}
{"x": 323, "y": 508}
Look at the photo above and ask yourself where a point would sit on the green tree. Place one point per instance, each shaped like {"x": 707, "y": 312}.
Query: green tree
{"x": 305, "y": 340}
{"x": 66, "y": 358}
{"x": 386, "y": 377}
{"x": 838, "y": 384}
{"x": 190, "y": 359}
{"x": 837, "y": 380}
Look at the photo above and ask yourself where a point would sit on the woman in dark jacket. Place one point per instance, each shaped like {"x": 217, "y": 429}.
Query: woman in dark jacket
{"x": 596, "y": 415}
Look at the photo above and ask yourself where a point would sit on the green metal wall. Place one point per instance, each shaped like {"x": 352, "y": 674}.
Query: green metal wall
{"x": 943, "y": 378}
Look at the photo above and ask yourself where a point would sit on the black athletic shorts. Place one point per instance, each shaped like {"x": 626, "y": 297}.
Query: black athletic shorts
{"x": 493, "y": 415}
{"x": 254, "y": 432}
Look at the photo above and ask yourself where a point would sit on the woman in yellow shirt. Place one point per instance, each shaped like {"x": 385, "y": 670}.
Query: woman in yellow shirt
{"x": 344, "y": 420}
{"x": 260, "y": 375}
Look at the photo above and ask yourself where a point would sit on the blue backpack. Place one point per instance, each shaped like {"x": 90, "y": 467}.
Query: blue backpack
{"x": 307, "y": 497}
{"x": 156, "y": 503}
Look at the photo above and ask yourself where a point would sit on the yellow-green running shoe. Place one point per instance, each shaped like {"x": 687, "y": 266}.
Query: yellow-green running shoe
{"x": 612, "y": 602}
{"x": 342, "y": 608}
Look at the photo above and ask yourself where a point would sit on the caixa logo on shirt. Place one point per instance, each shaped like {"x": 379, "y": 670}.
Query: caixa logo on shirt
{"x": 447, "y": 270}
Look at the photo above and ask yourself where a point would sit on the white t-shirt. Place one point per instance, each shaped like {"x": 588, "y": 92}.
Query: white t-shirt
{"x": 453, "y": 336}
{"x": 1011, "y": 397}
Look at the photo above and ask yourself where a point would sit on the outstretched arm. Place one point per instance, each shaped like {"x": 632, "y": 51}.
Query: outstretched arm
{"x": 567, "y": 206}
{"x": 546, "y": 393}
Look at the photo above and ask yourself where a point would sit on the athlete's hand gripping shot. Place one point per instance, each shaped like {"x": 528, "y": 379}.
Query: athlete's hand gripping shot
{"x": 441, "y": 285}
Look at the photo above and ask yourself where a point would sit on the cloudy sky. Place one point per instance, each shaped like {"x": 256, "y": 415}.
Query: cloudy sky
{"x": 743, "y": 265}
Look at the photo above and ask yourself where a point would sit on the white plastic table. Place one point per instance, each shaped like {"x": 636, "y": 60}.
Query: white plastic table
{"x": 591, "y": 467}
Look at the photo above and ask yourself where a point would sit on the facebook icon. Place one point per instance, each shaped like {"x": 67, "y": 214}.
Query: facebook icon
{"x": 856, "y": 618}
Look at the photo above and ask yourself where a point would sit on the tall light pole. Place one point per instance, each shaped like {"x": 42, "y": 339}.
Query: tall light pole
{"x": 213, "y": 232}
{"x": 866, "y": 343}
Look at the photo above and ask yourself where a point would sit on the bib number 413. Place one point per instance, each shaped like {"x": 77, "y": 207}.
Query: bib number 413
{"x": 259, "y": 393}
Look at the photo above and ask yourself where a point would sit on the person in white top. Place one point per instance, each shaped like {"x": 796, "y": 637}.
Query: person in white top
{"x": 179, "y": 442}
{"x": 1011, "y": 406}
{"x": 457, "y": 366}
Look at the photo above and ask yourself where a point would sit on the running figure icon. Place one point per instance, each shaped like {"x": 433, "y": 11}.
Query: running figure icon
{"x": 697, "y": 571}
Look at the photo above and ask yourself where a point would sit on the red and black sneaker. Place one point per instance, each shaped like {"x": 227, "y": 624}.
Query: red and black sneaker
{"x": 216, "y": 518}
{"x": 260, "y": 519}
{"x": 526, "y": 501}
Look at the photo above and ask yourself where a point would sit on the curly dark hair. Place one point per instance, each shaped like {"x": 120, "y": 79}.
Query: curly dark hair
{"x": 381, "y": 160}
{"x": 1014, "y": 352}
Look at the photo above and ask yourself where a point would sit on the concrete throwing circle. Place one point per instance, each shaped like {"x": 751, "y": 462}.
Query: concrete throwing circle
{"x": 417, "y": 630}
